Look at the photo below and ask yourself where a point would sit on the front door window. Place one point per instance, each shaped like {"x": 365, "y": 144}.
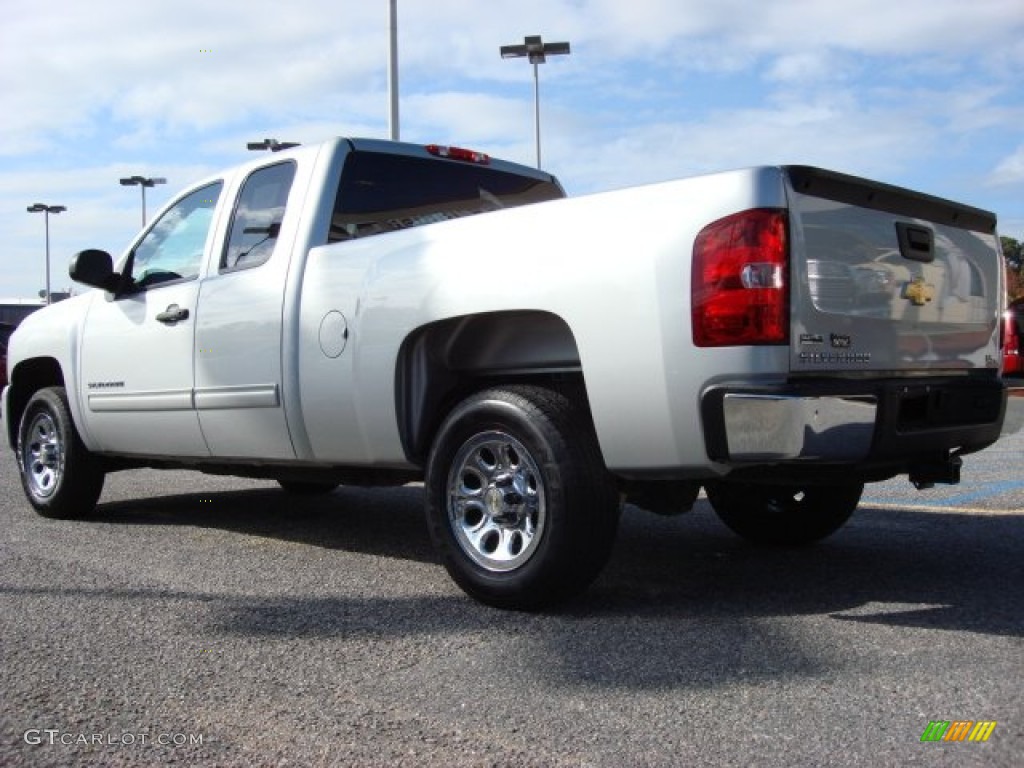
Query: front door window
{"x": 173, "y": 248}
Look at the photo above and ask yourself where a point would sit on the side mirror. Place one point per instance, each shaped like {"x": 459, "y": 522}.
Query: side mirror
{"x": 96, "y": 268}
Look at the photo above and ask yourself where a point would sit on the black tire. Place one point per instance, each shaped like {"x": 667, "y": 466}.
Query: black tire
{"x": 519, "y": 504}
{"x": 783, "y": 515}
{"x": 306, "y": 487}
{"x": 61, "y": 478}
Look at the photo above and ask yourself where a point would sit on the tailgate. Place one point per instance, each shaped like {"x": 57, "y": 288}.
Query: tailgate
{"x": 885, "y": 279}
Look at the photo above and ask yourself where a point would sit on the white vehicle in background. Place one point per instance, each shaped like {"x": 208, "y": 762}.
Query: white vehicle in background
{"x": 368, "y": 312}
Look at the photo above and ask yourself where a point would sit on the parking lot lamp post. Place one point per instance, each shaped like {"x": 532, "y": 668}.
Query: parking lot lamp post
{"x": 46, "y": 210}
{"x": 537, "y": 51}
{"x": 141, "y": 181}
{"x": 393, "y": 127}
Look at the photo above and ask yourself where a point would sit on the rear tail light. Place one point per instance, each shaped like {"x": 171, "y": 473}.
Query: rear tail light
{"x": 739, "y": 280}
{"x": 1013, "y": 362}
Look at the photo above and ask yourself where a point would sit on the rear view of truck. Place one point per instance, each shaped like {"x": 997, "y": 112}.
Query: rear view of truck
{"x": 889, "y": 302}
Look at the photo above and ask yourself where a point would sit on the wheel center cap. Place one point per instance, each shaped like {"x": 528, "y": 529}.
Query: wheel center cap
{"x": 495, "y": 501}
{"x": 504, "y": 504}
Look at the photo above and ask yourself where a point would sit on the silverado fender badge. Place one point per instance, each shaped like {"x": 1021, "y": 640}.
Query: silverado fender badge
{"x": 918, "y": 292}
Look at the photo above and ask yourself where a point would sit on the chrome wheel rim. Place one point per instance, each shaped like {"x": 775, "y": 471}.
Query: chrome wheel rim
{"x": 496, "y": 501}
{"x": 42, "y": 456}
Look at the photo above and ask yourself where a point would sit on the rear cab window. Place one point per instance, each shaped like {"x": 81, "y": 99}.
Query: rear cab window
{"x": 381, "y": 193}
{"x": 256, "y": 220}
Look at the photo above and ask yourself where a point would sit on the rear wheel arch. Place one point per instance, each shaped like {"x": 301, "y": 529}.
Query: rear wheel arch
{"x": 442, "y": 363}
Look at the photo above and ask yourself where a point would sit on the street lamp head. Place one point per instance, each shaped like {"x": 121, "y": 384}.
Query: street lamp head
{"x": 272, "y": 144}
{"x": 535, "y": 49}
{"x": 135, "y": 181}
{"x": 556, "y": 49}
{"x": 40, "y": 207}
{"x": 143, "y": 182}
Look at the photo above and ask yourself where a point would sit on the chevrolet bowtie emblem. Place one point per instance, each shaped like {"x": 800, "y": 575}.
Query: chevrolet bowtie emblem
{"x": 919, "y": 292}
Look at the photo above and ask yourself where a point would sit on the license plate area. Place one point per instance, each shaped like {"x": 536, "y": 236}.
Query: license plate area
{"x": 924, "y": 407}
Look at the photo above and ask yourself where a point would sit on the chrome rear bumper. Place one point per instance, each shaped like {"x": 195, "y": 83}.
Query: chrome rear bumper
{"x": 780, "y": 427}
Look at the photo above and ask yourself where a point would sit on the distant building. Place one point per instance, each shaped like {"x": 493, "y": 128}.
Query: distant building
{"x": 13, "y": 311}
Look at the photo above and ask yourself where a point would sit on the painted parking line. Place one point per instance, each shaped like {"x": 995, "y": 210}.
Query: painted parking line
{"x": 888, "y": 506}
{"x": 987, "y": 491}
{"x": 957, "y": 502}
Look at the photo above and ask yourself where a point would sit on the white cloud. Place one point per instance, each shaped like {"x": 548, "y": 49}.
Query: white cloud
{"x": 472, "y": 118}
{"x": 839, "y": 135}
{"x": 1010, "y": 169}
{"x": 808, "y": 67}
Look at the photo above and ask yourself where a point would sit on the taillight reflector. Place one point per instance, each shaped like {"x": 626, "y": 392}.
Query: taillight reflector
{"x": 739, "y": 280}
{"x": 1010, "y": 341}
{"x": 458, "y": 153}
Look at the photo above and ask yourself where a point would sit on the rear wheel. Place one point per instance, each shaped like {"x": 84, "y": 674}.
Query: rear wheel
{"x": 783, "y": 514}
{"x": 61, "y": 478}
{"x": 519, "y": 504}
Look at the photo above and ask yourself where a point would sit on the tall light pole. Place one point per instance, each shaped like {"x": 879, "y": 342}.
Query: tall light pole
{"x": 141, "y": 181}
{"x": 46, "y": 210}
{"x": 537, "y": 51}
{"x": 393, "y": 71}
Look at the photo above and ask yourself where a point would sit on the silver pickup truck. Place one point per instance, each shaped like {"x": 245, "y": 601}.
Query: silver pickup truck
{"x": 367, "y": 312}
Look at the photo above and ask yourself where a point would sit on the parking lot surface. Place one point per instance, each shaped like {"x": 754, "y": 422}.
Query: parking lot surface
{"x": 210, "y": 621}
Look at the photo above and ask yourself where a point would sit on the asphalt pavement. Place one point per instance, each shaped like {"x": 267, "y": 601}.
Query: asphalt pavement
{"x": 206, "y": 621}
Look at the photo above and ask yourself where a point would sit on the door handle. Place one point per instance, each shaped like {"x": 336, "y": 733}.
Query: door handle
{"x": 172, "y": 314}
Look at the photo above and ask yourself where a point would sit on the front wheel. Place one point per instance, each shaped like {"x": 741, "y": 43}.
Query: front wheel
{"x": 519, "y": 504}
{"x": 61, "y": 478}
{"x": 783, "y": 515}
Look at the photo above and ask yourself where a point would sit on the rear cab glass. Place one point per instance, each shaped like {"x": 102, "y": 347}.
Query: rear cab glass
{"x": 257, "y": 218}
{"x": 381, "y": 193}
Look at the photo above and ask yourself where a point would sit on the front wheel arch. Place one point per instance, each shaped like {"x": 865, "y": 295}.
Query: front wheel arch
{"x": 27, "y": 378}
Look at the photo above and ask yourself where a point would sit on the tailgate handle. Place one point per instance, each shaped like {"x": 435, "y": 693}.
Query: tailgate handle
{"x": 916, "y": 243}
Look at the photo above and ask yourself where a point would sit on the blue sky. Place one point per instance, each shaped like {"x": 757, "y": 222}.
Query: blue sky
{"x": 922, "y": 93}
